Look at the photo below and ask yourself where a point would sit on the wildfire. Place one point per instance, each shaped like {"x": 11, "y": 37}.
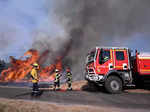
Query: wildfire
{"x": 21, "y": 68}
{"x": 47, "y": 73}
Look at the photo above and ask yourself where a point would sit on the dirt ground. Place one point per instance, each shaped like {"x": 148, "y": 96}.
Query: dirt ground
{"x": 81, "y": 85}
{"x": 83, "y": 98}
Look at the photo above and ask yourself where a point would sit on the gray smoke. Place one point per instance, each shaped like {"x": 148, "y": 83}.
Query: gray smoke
{"x": 70, "y": 28}
{"x": 90, "y": 23}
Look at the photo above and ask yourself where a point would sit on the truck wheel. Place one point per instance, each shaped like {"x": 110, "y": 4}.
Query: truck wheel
{"x": 113, "y": 85}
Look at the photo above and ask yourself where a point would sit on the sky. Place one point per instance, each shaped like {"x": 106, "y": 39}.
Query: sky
{"x": 43, "y": 24}
{"x": 19, "y": 19}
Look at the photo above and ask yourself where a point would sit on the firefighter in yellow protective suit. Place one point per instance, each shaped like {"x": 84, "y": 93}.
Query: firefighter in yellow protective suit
{"x": 35, "y": 79}
{"x": 69, "y": 78}
{"x": 57, "y": 80}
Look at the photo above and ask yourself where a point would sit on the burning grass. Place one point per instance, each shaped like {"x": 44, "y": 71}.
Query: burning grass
{"x": 20, "y": 68}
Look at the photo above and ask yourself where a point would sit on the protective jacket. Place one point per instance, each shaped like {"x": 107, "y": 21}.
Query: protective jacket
{"x": 34, "y": 75}
{"x": 57, "y": 77}
{"x": 69, "y": 76}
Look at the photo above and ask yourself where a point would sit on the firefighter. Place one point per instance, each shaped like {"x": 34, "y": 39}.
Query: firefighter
{"x": 34, "y": 75}
{"x": 57, "y": 80}
{"x": 106, "y": 58}
{"x": 69, "y": 78}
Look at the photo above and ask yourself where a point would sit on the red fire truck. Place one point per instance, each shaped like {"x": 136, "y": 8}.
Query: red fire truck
{"x": 115, "y": 68}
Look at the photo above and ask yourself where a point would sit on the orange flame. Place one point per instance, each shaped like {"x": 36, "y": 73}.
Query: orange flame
{"x": 20, "y": 68}
{"x": 47, "y": 73}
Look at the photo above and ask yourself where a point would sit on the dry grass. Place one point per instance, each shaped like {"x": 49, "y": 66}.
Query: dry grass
{"x": 33, "y": 106}
{"x": 77, "y": 85}
{"x": 138, "y": 91}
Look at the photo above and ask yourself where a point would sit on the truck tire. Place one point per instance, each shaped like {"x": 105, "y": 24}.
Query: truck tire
{"x": 113, "y": 85}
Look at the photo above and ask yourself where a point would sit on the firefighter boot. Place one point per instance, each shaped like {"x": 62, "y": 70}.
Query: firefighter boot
{"x": 69, "y": 87}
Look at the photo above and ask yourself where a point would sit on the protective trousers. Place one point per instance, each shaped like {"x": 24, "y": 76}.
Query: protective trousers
{"x": 35, "y": 89}
{"x": 57, "y": 84}
{"x": 69, "y": 83}
{"x": 69, "y": 80}
{"x": 57, "y": 81}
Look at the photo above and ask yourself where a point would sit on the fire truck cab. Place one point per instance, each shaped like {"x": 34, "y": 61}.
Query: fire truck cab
{"x": 109, "y": 67}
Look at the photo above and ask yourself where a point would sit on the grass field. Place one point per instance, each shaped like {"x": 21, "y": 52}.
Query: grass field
{"x": 7, "y": 105}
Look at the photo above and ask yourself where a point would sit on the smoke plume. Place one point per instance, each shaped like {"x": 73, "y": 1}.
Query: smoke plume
{"x": 89, "y": 23}
{"x": 70, "y": 28}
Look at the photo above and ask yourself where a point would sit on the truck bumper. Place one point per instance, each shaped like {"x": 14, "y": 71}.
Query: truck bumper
{"x": 94, "y": 78}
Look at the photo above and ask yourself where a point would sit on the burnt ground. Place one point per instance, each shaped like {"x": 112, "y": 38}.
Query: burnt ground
{"x": 125, "y": 100}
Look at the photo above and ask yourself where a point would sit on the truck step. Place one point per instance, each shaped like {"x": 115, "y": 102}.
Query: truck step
{"x": 131, "y": 85}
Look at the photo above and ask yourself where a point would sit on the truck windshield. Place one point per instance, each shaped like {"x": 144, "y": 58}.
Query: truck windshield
{"x": 104, "y": 56}
{"x": 91, "y": 56}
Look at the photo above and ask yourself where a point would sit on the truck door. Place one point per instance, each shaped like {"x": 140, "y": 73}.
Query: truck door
{"x": 103, "y": 61}
{"x": 121, "y": 61}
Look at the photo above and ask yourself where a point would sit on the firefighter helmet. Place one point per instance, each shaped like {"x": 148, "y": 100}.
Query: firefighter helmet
{"x": 56, "y": 70}
{"x": 35, "y": 64}
{"x": 68, "y": 69}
